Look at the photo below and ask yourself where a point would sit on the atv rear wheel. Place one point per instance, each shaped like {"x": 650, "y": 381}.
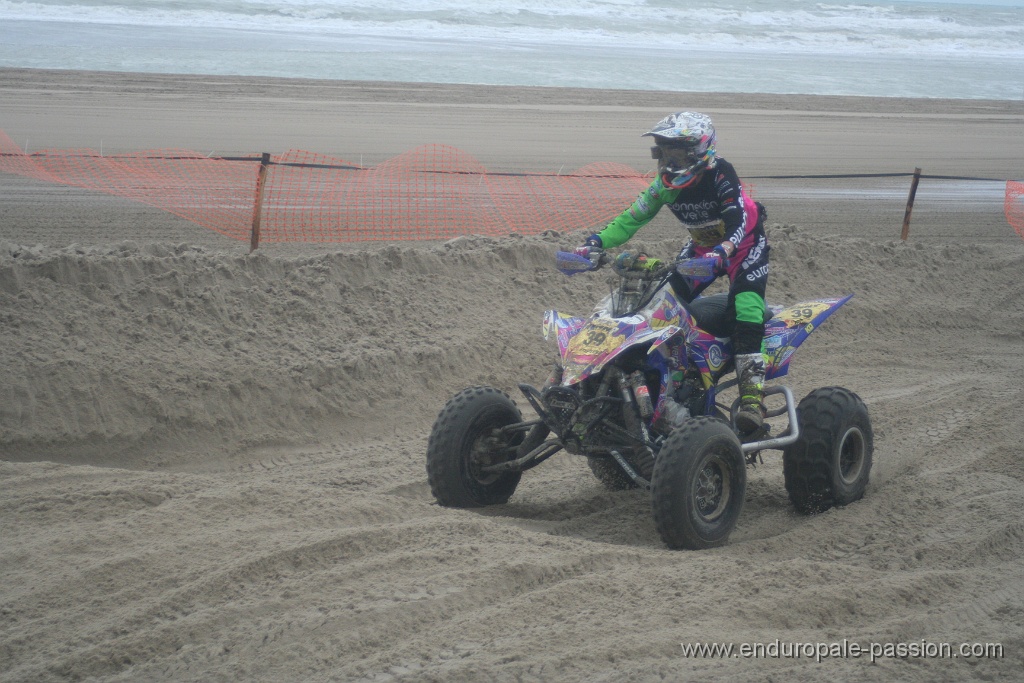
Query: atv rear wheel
{"x": 466, "y": 437}
{"x": 698, "y": 485}
{"x": 830, "y": 463}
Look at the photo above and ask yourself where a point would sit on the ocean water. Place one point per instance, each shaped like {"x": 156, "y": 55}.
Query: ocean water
{"x": 894, "y": 48}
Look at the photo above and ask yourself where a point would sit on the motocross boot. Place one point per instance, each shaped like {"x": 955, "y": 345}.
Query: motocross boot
{"x": 750, "y": 375}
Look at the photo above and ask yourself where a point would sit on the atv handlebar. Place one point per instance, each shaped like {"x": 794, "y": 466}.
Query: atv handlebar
{"x": 570, "y": 264}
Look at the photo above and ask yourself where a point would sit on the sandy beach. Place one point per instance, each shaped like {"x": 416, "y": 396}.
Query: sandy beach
{"x": 212, "y": 463}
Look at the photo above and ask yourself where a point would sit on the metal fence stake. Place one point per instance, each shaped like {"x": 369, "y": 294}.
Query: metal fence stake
{"x": 257, "y": 210}
{"x": 910, "y": 204}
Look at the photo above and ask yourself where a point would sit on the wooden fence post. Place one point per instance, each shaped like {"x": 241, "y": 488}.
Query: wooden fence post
{"x": 910, "y": 204}
{"x": 257, "y": 210}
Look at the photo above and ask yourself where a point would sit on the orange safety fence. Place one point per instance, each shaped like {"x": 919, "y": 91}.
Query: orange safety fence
{"x": 1014, "y": 205}
{"x": 214, "y": 193}
{"x": 431, "y": 192}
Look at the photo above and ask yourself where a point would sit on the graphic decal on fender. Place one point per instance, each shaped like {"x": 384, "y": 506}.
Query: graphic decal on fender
{"x": 801, "y": 314}
{"x": 715, "y": 357}
{"x": 790, "y": 326}
{"x": 595, "y": 338}
{"x": 587, "y": 345}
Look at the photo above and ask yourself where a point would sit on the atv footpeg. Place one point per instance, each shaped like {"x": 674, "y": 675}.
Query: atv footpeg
{"x": 762, "y": 439}
{"x": 758, "y": 434}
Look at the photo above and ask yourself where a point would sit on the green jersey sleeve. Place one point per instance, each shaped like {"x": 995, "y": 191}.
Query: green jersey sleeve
{"x": 639, "y": 214}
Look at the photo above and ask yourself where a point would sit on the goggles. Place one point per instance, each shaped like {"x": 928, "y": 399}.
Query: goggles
{"x": 674, "y": 159}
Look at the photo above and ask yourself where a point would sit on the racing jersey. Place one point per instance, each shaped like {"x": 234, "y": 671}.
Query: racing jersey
{"x": 714, "y": 209}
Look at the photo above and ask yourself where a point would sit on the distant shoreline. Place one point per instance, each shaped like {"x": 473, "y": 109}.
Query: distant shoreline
{"x": 375, "y": 90}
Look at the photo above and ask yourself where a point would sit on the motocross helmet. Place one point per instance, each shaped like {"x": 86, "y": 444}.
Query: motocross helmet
{"x": 685, "y": 147}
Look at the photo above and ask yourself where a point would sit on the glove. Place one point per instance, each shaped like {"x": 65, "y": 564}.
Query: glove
{"x": 647, "y": 263}
{"x": 638, "y": 262}
{"x": 591, "y": 250}
{"x": 721, "y": 258}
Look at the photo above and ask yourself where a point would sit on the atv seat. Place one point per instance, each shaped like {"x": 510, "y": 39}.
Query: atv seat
{"x": 712, "y": 314}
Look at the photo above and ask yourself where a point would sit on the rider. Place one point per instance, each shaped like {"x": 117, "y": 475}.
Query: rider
{"x": 705, "y": 194}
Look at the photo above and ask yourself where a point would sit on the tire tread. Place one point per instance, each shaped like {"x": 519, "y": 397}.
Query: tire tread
{"x": 674, "y": 469}
{"x": 448, "y": 482}
{"x": 808, "y": 464}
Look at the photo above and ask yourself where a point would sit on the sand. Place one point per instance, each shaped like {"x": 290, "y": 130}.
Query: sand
{"x": 212, "y": 463}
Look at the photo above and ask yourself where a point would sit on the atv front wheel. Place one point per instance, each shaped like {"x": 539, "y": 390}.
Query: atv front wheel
{"x": 829, "y": 464}
{"x": 698, "y": 485}
{"x": 466, "y": 437}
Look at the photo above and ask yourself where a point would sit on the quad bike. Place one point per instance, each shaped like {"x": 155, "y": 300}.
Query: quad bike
{"x": 636, "y": 391}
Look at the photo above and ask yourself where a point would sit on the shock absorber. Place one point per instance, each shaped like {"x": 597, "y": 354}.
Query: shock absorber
{"x": 642, "y": 394}
{"x": 555, "y": 377}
